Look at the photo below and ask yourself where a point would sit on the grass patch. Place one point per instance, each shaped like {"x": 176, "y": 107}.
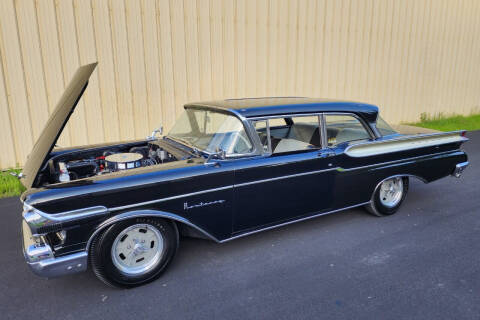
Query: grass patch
{"x": 10, "y": 186}
{"x": 450, "y": 123}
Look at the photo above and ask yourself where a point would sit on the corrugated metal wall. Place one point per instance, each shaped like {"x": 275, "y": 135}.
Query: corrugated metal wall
{"x": 407, "y": 56}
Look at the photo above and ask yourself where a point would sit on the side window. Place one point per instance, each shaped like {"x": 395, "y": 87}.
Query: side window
{"x": 383, "y": 127}
{"x": 344, "y": 128}
{"x": 261, "y": 128}
{"x": 289, "y": 134}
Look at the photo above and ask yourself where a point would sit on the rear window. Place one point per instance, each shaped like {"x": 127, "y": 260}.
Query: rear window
{"x": 384, "y": 128}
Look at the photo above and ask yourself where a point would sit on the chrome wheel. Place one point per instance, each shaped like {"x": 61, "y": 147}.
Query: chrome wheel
{"x": 391, "y": 192}
{"x": 137, "y": 249}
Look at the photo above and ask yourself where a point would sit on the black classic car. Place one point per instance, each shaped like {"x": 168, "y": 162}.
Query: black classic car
{"x": 225, "y": 170}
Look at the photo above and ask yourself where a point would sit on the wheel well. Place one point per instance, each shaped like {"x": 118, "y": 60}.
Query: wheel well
{"x": 396, "y": 176}
{"x": 182, "y": 226}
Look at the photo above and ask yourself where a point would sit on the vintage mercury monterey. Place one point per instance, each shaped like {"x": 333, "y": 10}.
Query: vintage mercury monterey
{"x": 225, "y": 170}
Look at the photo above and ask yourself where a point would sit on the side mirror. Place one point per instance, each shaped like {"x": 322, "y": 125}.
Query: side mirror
{"x": 219, "y": 154}
{"x": 154, "y": 133}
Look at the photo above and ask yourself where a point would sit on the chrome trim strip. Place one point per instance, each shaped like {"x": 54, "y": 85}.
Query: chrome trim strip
{"x": 246, "y": 126}
{"x": 169, "y": 198}
{"x": 266, "y": 180}
{"x": 37, "y": 219}
{"x": 324, "y": 113}
{"x": 393, "y": 161}
{"x": 283, "y": 177}
{"x": 292, "y": 221}
{"x": 324, "y": 134}
{"x": 406, "y": 139}
{"x": 66, "y": 215}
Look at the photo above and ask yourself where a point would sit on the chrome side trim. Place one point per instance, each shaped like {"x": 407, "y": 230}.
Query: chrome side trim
{"x": 283, "y": 177}
{"x": 38, "y": 219}
{"x": 394, "y": 161}
{"x": 293, "y": 221}
{"x": 153, "y": 213}
{"x": 415, "y": 141}
{"x": 145, "y": 213}
{"x": 267, "y": 180}
{"x": 169, "y": 198}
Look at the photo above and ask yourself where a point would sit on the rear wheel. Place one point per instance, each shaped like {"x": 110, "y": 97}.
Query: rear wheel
{"x": 133, "y": 252}
{"x": 388, "y": 196}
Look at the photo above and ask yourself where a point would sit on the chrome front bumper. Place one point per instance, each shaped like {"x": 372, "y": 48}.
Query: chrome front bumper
{"x": 40, "y": 258}
{"x": 457, "y": 172}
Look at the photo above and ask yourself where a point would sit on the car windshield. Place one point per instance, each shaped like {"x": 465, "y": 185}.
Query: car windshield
{"x": 211, "y": 131}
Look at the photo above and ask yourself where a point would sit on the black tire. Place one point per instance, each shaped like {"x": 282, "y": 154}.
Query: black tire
{"x": 101, "y": 257}
{"x": 378, "y": 209}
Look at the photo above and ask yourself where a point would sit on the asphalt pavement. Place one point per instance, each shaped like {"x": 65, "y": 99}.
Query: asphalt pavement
{"x": 421, "y": 263}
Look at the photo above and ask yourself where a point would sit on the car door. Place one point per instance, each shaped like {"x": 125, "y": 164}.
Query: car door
{"x": 294, "y": 178}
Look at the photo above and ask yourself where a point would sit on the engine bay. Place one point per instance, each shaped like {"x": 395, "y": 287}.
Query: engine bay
{"x": 69, "y": 166}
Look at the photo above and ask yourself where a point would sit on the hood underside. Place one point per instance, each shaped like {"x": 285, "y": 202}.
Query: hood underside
{"x": 55, "y": 124}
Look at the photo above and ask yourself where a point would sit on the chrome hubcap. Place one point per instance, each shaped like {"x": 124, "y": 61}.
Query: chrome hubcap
{"x": 391, "y": 192}
{"x": 137, "y": 249}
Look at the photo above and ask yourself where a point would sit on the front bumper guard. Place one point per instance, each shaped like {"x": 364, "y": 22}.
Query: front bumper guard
{"x": 42, "y": 262}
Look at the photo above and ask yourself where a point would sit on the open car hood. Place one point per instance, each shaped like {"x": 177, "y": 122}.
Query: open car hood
{"x": 55, "y": 124}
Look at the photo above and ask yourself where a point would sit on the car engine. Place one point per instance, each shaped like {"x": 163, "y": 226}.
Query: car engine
{"x": 110, "y": 161}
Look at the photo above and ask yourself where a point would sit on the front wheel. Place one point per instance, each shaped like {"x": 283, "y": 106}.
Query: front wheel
{"x": 133, "y": 252}
{"x": 388, "y": 196}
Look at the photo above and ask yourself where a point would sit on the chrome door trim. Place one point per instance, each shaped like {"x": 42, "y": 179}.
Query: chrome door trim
{"x": 293, "y": 221}
{"x": 284, "y": 177}
{"x": 407, "y": 138}
{"x": 394, "y": 161}
{"x": 169, "y": 198}
{"x": 339, "y": 169}
{"x": 100, "y": 210}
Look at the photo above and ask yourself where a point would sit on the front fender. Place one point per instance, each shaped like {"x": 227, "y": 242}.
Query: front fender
{"x": 145, "y": 213}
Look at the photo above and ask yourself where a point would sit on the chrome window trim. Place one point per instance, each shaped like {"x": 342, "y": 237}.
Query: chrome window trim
{"x": 323, "y": 123}
{"x": 292, "y": 115}
{"x": 365, "y": 125}
{"x": 245, "y": 124}
{"x": 323, "y": 135}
